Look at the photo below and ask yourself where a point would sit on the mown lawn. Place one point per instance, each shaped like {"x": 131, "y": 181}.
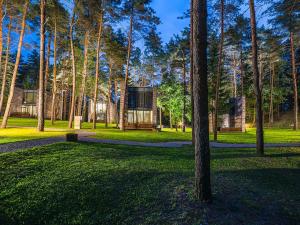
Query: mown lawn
{"x": 80, "y": 183}
{"x": 22, "y": 134}
{"x": 272, "y": 135}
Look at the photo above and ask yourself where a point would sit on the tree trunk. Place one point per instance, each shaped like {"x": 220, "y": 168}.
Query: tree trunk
{"x": 41, "y": 95}
{"x": 271, "y": 112}
{"x": 54, "y": 87}
{"x": 1, "y": 34}
{"x": 295, "y": 86}
{"x": 97, "y": 72}
{"x": 109, "y": 93}
{"x": 219, "y": 74}
{"x": 5, "y": 65}
{"x": 234, "y": 76}
{"x": 257, "y": 83}
{"x": 71, "y": 116}
{"x": 242, "y": 73}
{"x": 200, "y": 89}
{"x": 84, "y": 73}
{"x": 192, "y": 68}
{"x": 116, "y": 103}
{"x": 171, "y": 124}
{"x": 160, "y": 118}
{"x": 15, "y": 72}
{"x": 122, "y": 105}
{"x": 84, "y": 108}
{"x": 184, "y": 96}
{"x": 47, "y": 62}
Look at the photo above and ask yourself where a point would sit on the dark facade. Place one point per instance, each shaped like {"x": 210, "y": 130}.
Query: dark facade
{"x": 140, "y": 108}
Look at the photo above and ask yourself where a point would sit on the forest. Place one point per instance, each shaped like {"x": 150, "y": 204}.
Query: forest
{"x": 70, "y": 57}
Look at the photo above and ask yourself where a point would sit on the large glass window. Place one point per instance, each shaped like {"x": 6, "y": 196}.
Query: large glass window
{"x": 139, "y": 117}
{"x": 29, "y": 97}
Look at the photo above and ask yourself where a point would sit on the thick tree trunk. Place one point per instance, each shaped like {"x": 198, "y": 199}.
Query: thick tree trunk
{"x": 271, "y": 112}
{"x": 192, "y": 69}
{"x": 122, "y": 105}
{"x": 219, "y": 74}
{"x": 84, "y": 73}
{"x": 41, "y": 95}
{"x": 4, "y": 75}
{"x": 184, "y": 97}
{"x": 295, "y": 85}
{"x": 257, "y": 83}
{"x": 54, "y": 86}
{"x": 72, "y": 108}
{"x": 15, "y": 72}
{"x": 200, "y": 89}
{"x": 97, "y": 72}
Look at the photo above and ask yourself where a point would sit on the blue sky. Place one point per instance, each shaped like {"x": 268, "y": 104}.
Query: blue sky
{"x": 169, "y": 11}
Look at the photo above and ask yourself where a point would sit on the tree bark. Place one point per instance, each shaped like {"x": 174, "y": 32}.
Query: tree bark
{"x": 109, "y": 93}
{"x": 41, "y": 95}
{"x": 97, "y": 71}
{"x": 72, "y": 109}
{"x": 116, "y": 103}
{"x": 171, "y": 124}
{"x": 15, "y": 72}
{"x": 184, "y": 96}
{"x": 1, "y": 34}
{"x": 200, "y": 89}
{"x": 242, "y": 73}
{"x": 271, "y": 112}
{"x": 192, "y": 69}
{"x": 219, "y": 74}
{"x": 84, "y": 73}
{"x": 54, "y": 86}
{"x": 122, "y": 105}
{"x": 4, "y": 75}
{"x": 257, "y": 83}
{"x": 47, "y": 62}
{"x": 160, "y": 118}
{"x": 295, "y": 85}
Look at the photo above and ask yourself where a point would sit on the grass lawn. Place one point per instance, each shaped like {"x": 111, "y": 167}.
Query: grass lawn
{"x": 80, "y": 183}
{"x": 21, "y": 134}
{"x": 275, "y": 135}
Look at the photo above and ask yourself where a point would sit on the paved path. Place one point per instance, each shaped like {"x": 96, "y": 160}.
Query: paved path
{"x": 86, "y": 137}
{"x": 178, "y": 144}
{"x": 14, "y": 146}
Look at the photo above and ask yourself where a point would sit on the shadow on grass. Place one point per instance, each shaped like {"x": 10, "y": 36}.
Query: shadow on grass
{"x": 109, "y": 184}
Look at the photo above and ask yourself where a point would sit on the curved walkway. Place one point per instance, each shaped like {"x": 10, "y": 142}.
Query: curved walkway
{"x": 86, "y": 137}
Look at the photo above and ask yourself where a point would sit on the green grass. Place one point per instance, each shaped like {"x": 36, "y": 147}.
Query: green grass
{"x": 80, "y": 183}
{"x": 275, "y": 135}
{"x": 22, "y": 134}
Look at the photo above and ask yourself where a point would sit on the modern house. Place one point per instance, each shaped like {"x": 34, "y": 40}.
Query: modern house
{"x": 140, "y": 108}
{"x": 24, "y": 103}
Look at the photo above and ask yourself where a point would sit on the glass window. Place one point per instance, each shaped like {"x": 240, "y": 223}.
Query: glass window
{"x": 131, "y": 117}
{"x": 147, "y": 117}
{"x": 29, "y": 97}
